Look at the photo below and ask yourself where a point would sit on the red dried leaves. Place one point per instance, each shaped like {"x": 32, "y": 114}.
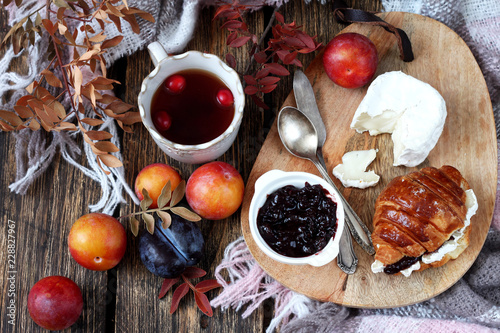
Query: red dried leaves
{"x": 288, "y": 40}
{"x": 199, "y": 289}
{"x": 165, "y": 287}
{"x": 179, "y": 293}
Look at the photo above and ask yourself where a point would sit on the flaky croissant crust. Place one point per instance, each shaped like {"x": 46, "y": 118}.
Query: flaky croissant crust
{"x": 415, "y": 214}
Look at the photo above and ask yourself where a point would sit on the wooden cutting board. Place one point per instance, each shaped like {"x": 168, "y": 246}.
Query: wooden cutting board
{"x": 468, "y": 142}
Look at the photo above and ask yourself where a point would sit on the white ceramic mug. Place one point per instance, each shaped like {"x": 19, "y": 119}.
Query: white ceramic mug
{"x": 167, "y": 65}
{"x": 276, "y": 179}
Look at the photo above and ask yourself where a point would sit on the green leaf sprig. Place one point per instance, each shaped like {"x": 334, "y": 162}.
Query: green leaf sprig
{"x": 167, "y": 201}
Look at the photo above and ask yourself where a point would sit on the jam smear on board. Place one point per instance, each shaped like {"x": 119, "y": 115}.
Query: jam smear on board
{"x": 298, "y": 222}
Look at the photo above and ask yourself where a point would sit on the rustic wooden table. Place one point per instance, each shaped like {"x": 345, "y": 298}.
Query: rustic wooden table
{"x": 125, "y": 299}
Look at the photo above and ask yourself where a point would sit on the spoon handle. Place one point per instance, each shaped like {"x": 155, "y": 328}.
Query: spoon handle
{"x": 346, "y": 259}
{"x": 358, "y": 229}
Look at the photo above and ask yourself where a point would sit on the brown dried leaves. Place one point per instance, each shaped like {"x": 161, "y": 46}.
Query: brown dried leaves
{"x": 35, "y": 110}
{"x": 287, "y": 42}
{"x": 199, "y": 289}
{"x": 167, "y": 201}
{"x": 42, "y": 109}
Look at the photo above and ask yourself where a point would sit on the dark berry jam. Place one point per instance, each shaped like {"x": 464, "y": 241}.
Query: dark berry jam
{"x": 404, "y": 263}
{"x": 298, "y": 222}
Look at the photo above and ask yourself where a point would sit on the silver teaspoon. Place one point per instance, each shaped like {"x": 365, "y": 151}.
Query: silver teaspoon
{"x": 300, "y": 138}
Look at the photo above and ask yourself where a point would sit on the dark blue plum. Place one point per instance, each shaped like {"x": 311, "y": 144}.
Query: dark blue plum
{"x": 167, "y": 252}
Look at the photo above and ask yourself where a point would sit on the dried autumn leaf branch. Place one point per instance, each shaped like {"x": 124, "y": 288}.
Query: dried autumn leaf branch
{"x": 72, "y": 21}
{"x": 167, "y": 201}
{"x": 199, "y": 289}
{"x": 287, "y": 42}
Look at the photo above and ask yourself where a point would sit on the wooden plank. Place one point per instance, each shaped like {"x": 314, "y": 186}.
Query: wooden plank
{"x": 138, "y": 308}
{"x": 42, "y": 220}
{"x": 135, "y": 284}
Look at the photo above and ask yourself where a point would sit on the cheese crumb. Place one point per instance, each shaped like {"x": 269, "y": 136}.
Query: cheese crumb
{"x": 352, "y": 172}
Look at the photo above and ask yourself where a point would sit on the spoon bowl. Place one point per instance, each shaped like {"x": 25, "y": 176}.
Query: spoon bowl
{"x": 297, "y": 133}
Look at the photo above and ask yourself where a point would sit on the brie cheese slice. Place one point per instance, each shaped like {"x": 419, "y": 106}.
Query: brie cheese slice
{"x": 352, "y": 172}
{"x": 412, "y": 110}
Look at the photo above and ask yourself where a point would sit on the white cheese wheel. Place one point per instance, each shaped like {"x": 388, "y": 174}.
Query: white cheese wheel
{"x": 412, "y": 110}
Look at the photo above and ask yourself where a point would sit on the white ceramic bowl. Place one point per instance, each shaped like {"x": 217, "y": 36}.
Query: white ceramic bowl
{"x": 275, "y": 179}
{"x": 168, "y": 65}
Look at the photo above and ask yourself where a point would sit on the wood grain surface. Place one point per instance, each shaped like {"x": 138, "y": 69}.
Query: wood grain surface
{"x": 468, "y": 142}
{"x": 125, "y": 299}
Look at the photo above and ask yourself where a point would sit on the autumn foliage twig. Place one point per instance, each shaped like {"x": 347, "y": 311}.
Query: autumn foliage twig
{"x": 42, "y": 109}
{"x": 287, "y": 42}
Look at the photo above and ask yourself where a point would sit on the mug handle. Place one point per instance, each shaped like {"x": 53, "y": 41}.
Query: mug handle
{"x": 157, "y": 52}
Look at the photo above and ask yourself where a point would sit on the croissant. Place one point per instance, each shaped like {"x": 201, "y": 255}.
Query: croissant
{"x": 416, "y": 214}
